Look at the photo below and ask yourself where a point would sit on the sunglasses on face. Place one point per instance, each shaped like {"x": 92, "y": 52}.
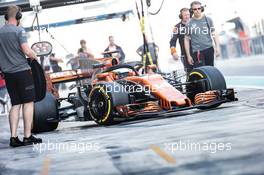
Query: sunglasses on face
{"x": 196, "y": 9}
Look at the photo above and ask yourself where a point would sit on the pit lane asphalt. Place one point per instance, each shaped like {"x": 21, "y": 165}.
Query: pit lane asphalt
{"x": 149, "y": 146}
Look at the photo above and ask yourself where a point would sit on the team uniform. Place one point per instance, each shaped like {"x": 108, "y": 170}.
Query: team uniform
{"x": 14, "y": 65}
{"x": 179, "y": 33}
{"x": 199, "y": 31}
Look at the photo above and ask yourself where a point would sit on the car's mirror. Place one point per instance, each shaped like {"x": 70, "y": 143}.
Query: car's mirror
{"x": 43, "y": 48}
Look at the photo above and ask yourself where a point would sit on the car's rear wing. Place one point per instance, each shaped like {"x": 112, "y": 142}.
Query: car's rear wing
{"x": 70, "y": 75}
{"x": 73, "y": 75}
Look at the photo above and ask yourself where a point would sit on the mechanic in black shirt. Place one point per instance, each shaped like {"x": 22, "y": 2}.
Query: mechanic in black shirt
{"x": 179, "y": 32}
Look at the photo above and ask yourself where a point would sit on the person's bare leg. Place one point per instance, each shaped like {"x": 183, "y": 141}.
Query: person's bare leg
{"x": 28, "y": 109}
{"x": 14, "y": 119}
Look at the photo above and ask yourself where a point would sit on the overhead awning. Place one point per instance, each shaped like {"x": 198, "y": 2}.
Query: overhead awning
{"x": 25, "y": 6}
{"x": 120, "y": 15}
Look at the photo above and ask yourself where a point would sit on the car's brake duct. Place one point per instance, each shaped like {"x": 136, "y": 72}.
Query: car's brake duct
{"x": 205, "y": 97}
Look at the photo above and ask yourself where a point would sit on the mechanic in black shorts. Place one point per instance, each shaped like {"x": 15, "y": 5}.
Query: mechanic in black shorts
{"x": 179, "y": 32}
{"x": 18, "y": 76}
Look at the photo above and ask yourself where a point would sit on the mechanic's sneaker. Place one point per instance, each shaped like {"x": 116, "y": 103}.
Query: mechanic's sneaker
{"x": 15, "y": 142}
{"x": 31, "y": 140}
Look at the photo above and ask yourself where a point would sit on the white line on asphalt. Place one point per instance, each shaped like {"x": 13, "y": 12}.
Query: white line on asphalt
{"x": 245, "y": 87}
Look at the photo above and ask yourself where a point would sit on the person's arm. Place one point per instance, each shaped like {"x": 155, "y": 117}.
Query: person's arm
{"x": 187, "y": 49}
{"x": 28, "y": 51}
{"x": 89, "y": 53}
{"x": 122, "y": 54}
{"x": 187, "y": 44}
{"x": 217, "y": 43}
{"x": 214, "y": 36}
{"x": 156, "y": 49}
{"x": 79, "y": 50}
{"x": 173, "y": 42}
{"x": 139, "y": 51}
{"x": 22, "y": 37}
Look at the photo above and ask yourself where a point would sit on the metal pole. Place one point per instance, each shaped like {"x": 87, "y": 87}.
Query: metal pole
{"x": 37, "y": 10}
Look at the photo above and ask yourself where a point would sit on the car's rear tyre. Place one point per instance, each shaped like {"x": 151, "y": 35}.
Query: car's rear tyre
{"x": 44, "y": 110}
{"x": 214, "y": 80}
{"x": 102, "y": 101}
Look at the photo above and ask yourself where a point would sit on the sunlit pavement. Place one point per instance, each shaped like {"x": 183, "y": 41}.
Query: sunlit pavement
{"x": 246, "y": 66}
{"x": 227, "y": 140}
{"x": 243, "y": 72}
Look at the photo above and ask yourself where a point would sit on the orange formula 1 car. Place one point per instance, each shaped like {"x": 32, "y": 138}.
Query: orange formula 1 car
{"x": 119, "y": 92}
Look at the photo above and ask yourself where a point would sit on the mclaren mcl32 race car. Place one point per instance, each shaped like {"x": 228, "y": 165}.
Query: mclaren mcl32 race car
{"x": 119, "y": 92}
{"x": 111, "y": 92}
